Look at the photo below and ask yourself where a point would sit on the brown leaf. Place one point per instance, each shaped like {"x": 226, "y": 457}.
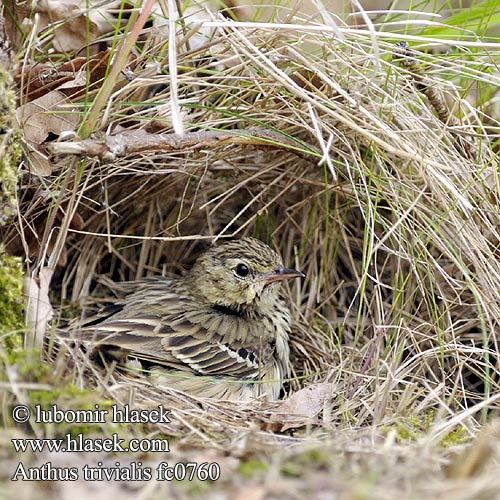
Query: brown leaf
{"x": 72, "y": 76}
{"x": 80, "y": 25}
{"x": 307, "y": 80}
{"x": 76, "y": 221}
{"x": 37, "y": 160}
{"x": 302, "y": 407}
{"x": 51, "y": 113}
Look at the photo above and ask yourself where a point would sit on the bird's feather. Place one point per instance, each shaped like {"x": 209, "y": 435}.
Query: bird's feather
{"x": 182, "y": 336}
{"x": 227, "y": 337}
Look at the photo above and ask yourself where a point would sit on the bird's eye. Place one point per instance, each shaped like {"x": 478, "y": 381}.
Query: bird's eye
{"x": 242, "y": 270}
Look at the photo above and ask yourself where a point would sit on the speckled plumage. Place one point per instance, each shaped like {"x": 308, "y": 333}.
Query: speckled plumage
{"x": 212, "y": 332}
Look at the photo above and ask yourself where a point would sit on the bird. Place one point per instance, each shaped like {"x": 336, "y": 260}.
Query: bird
{"x": 219, "y": 331}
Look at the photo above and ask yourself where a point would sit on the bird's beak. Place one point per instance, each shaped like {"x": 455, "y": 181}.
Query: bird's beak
{"x": 281, "y": 273}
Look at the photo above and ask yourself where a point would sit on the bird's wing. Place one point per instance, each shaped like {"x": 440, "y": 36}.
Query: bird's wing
{"x": 174, "y": 333}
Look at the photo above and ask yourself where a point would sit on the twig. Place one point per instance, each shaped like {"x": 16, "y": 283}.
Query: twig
{"x": 120, "y": 145}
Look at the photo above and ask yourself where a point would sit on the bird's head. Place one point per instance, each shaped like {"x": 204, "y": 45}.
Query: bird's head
{"x": 240, "y": 273}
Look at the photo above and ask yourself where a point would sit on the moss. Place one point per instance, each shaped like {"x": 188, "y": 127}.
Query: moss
{"x": 412, "y": 428}
{"x": 197, "y": 488}
{"x": 312, "y": 459}
{"x": 11, "y": 151}
{"x": 11, "y": 296}
{"x": 454, "y": 438}
{"x": 55, "y": 388}
{"x": 9, "y": 162}
{"x": 252, "y": 468}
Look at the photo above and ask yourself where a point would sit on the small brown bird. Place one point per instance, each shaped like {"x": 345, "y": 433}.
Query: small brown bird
{"x": 219, "y": 331}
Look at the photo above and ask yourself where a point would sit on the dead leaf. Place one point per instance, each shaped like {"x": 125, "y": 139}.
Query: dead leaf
{"x": 51, "y": 113}
{"x": 76, "y": 221}
{"x": 37, "y": 160}
{"x": 302, "y": 407}
{"x": 80, "y": 25}
{"x": 71, "y": 76}
{"x": 39, "y": 309}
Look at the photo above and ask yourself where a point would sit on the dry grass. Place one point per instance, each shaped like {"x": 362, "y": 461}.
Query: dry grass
{"x": 389, "y": 211}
